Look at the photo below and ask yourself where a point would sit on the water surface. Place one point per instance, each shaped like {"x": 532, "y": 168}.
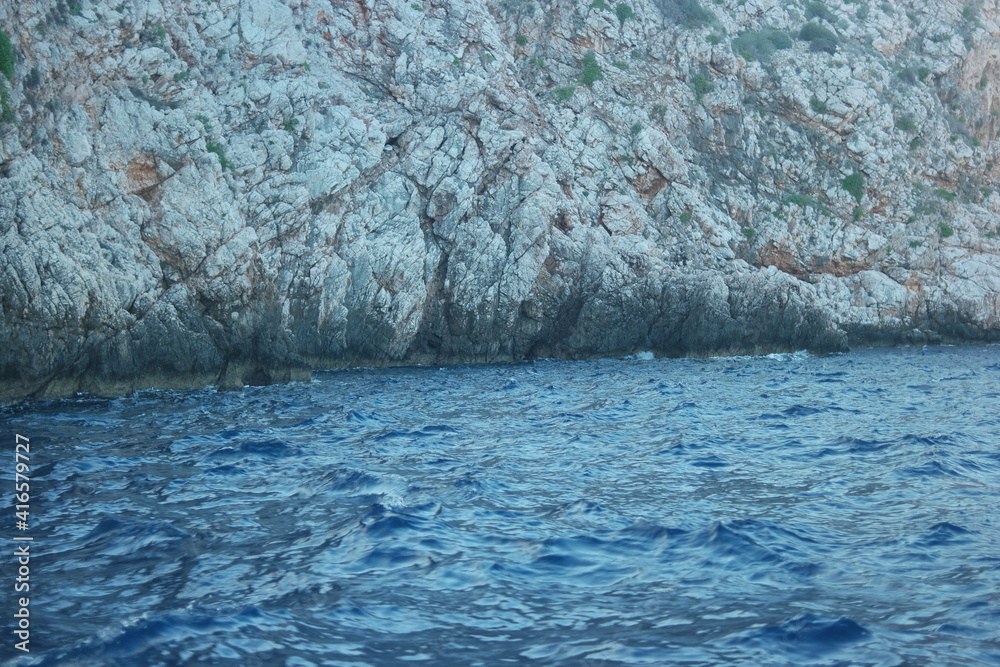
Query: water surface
{"x": 781, "y": 510}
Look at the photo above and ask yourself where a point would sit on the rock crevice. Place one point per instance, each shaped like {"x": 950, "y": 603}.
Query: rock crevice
{"x": 235, "y": 193}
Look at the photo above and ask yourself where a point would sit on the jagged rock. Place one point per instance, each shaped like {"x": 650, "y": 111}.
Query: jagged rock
{"x": 234, "y": 193}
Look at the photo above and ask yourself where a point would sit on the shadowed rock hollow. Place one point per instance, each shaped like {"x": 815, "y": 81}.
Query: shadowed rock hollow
{"x": 235, "y": 192}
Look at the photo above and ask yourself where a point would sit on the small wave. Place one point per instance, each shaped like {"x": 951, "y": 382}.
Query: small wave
{"x": 561, "y": 561}
{"x": 809, "y": 635}
{"x": 800, "y": 355}
{"x": 143, "y": 641}
{"x": 361, "y": 417}
{"x": 430, "y": 431}
{"x": 114, "y": 537}
{"x": 965, "y": 630}
{"x": 224, "y": 471}
{"x": 850, "y": 445}
{"x": 254, "y": 449}
{"x": 801, "y": 411}
{"x": 350, "y": 482}
{"x": 933, "y": 468}
{"x": 943, "y": 534}
{"x": 710, "y": 462}
{"x": 728, "y": 544}
{"x": 577, "y": 508}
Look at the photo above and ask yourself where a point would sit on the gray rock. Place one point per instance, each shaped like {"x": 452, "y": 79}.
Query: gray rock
{"x": 195, "y": 194}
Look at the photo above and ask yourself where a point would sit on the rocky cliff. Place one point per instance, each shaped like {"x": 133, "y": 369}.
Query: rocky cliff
{"x": 199, "y": 191}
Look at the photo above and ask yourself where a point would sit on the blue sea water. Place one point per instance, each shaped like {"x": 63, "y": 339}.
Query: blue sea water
{"x": 780, "y": 510}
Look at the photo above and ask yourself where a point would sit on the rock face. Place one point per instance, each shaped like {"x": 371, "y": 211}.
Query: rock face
{"x": 238, "y": 191}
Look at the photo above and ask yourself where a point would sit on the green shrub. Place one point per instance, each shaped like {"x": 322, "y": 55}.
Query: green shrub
{"x": 946, "y": 195}
{"x": 803, "y": 201}
{"x": 686, "y": 217}
{"x": 915, "y": 244}
{"x": 591, "y": 71}
{"x": 817, "y": 10}
{"x": 946, "y": 230}
{"x": 701, "y": 86}
{"x": 216, "y": 147}
{"x": 906, "y": 124}
{"x": 909, "y": 75}
{"x": 923, "y": 73}
{"x": 203, "y": 119}
{"x": 290, "y": 125}
{"x": 817, "y": 105}
{"x": 749, "y": 233}
{"x": 760, "y": 45}
{"x": 6, "y": 56}
{"x": 153, "y": 34}
{"x": 819, "y": 38}
{"x": 688, "y": 13}
{"x": 636, "y": 128}
{"x": 623, "y": 12}
{"x": 620, "y": 65}
{"x": 855, "y": 185}
{"x": 564, "y": 93}
{"x": 857, "y": 214}
{"x": 600, "y": 4}
{"x": 522, "y": 40}
{"x": 7, "y": 114}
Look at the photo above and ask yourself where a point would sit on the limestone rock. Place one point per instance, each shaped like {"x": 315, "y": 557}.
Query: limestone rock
{"x": 196, "y": 193}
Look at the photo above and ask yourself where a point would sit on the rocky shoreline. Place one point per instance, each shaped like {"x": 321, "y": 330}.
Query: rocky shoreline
{"x": 200, "y": 193}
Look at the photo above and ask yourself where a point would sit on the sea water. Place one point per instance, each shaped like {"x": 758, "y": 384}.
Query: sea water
{"x": 779, "y": 510}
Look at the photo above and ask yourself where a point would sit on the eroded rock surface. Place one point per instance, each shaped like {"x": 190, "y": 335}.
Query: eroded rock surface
{"x": 235, "y": 192}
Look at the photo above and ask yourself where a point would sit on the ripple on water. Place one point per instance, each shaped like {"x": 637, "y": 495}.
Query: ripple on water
{"x": 787, "y": 510}
{"x": 807, "y": 636}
